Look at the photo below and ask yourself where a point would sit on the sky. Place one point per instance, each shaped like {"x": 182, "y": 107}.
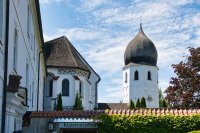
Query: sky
{"x": 101, "y": 30}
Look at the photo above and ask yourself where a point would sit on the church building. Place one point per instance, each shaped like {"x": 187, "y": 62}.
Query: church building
{"x": 140, "y": 73}
{"x": 68, "y": 74}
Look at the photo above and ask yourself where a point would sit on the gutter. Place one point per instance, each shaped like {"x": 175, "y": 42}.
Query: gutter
{"x": 38, "y": 87}
{"x": 5, "y": 66}
{"x": 39, "y": 19}
{"x": 42, "y": 42}
{"x": 37, "y": 3}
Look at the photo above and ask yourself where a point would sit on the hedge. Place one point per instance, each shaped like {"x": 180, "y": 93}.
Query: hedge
{"x": 148, "y": 124}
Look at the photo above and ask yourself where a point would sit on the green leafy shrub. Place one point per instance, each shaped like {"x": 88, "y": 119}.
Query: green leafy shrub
{"x": 148, "y": 124}
{"x": 195, "y": 131}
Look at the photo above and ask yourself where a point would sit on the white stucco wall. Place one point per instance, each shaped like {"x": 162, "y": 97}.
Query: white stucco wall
{"x": 134, "y": 89}
{"x": 94, "y": 79}
{"x": 73, "y": 88}
{"x": 67, "y": 101}
{"x": 27, "y": 53}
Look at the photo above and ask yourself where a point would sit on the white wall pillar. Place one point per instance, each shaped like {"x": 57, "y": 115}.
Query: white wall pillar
{"x": 18, "y": 123}
{"x": 10, "y": 120}
{"x": 54, "y": 94}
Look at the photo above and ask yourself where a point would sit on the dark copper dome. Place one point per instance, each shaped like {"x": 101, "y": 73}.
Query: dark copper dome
{"x": 141, "y": 50}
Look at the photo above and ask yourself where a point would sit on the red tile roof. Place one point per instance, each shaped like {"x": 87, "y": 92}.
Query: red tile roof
{"x": 70, "y": 114}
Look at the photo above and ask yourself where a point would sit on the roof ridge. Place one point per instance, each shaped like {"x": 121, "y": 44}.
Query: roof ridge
{"x": 71, "y": 52}
{"x": 87, "y": 64}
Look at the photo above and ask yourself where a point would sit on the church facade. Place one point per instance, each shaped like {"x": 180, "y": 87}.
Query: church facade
{"x": 140, "y": 73}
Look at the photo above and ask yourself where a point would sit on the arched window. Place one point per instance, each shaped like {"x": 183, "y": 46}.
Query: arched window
{"x": 125, "y": 77}
{"x": 136, "y": 77}
{"x": 65, "y": 87}
{"x": 149, "y": 75}
{"x": 81, "y": 88}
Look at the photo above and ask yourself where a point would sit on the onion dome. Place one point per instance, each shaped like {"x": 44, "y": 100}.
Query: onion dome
{"x": 141, "y": 50}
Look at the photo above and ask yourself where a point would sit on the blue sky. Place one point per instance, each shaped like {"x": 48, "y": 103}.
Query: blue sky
{"x": 101, "y": 30}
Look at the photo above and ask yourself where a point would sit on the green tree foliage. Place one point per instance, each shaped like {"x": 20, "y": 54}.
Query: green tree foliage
{"x": 143, "y": 103}
{"x": 160, "y": 94}
{"x": 164, "y": 104}
{"x": 132, "y": 105}
{"x": 138, "y": 103}
{"x": 78, "y": 102}
{"x": 184, "y": 88}
{"x": 161, "y": 97}
{"x": 148, "y": 124}
{"x": 59, "y": 104}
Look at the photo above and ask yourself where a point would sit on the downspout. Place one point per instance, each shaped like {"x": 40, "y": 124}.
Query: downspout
{"x": 5, "y": 67}
{"x": 38, "y": 80}
{"x": 96, "y": 92}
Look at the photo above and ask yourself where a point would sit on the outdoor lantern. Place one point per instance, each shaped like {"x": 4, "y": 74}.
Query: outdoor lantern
{"x": 50, "y": 126}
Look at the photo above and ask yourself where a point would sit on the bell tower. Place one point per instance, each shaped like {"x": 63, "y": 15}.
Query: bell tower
{"x": 140, "y": 73}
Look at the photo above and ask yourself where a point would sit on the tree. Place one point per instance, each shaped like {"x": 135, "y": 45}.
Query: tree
{"x": 143, "y": 103}
{"x": 138, "y": 103}
{"x": 78, "y": 102}
{"x": 132, "y": 105}
{"x": 164, "y": 104}
{"x": 59, "y": 104}
{"x": 160, "y": 97}
{"x": 184, "y": 89}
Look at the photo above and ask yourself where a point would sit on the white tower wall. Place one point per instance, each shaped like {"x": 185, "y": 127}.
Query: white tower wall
{"x": 143, "y": 87}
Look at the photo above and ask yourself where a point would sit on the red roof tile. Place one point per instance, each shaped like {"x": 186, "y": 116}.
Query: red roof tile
{"x": 72, "y": 113}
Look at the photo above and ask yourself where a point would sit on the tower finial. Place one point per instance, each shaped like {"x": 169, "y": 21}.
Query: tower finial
{"x": 141, "y": 22}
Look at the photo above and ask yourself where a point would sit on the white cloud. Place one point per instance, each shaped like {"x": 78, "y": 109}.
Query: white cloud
{"x": 77, "y": 34}
{"x": 89, "y": 5}
{"x": 51, "y": 1}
